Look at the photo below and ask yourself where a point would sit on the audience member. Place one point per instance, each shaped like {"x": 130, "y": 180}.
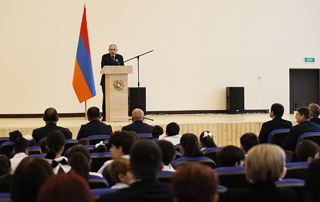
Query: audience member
{"x": 21, "y": 148}
{"x": 168, "y": 154}
{"x": 206, "y": 140}
{"x": 100, "y": 147}
{"x": 83, "y": 141}
{"x": 5, "y": 174}
{"x": 156, "y": 131}
{"x": 51, "y": 118}
{"x": 13, "y": 135}
{"x": 95, "y": 126}
{"x": 30, "y": 139}
{"x": 314, "y": 113}
{"x": 277, "y": 122}
{"x": 65, "y": 188}
{"x": 312, "y": 185}
{"x": 55, "y": 146}
{"x": 145, "y": 162}
{"x": 265, "y": 164}
{"x": 307, "y": 151}
{"x": 79, "y": 164}
{"x": 304, "y": 126}
{"x": 121, "y": 143}
{"x": 189, "y": 145}
{"x": 194, "y": 182}
{"x": 137, "y": 123}
{"x": 231, "y": 156}
{"x": 119, "y": 173}
{"x": 67, "y": 134}
{"x": 248, "y": 140}
{"x": 172, "y": 133}
{"x": 43, "y": 146}
{"x": 28, "y": 179}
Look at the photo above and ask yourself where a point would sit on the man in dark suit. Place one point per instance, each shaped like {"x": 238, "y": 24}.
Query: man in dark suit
{"x": 95, "y": 126}
{"x": 277, "y": 122}
{"x": 304, "y": 126}
{"x": 314, "y": 113}
{"x": 137, "y": 123}
{"x": 51, "y": 118}
{"x": 110, "y": 59}
{"x": 145, "y": 162}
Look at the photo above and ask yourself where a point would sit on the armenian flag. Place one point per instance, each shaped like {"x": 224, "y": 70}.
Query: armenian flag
{"x": 83, "y": 81}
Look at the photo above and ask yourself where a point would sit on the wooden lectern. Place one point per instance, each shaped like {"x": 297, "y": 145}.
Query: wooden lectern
{"x": 116, "y": 86}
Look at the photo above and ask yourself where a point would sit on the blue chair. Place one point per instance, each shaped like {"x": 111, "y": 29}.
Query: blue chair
{"x": 98, "y": 159}
{"x": 296, "y": 185}
{"x": 277, "y": 136}
{"x": 98, "y": 192}
{"x": 97, "y": 182}
{"x": 94, "y": 139}
{"x": 6, "y": 148}
{"x": 147, "y": 136}
{"x": 178, "y": 155}
{"x": 68, "y": 144}
{"x": 155, "y": 139}
{"x": 4, "y": 139}
{"x": 32, "y": 150}
{"x": 232, "y": 177}
{"x": 36, "y": 156}
{"x": 164, "y": 176}
{"x": 107, "y": 176}
{"x": 89, "y": 147}
{"x": 5, "y": 197}
{"x": 201, "y": 159}
{"x": 211, "y": 152}
{"x": 220, "y": 190}
{"x": 313, "y": 136}
{"x": 39, "y": 143}
{"x": 297, "y": 170}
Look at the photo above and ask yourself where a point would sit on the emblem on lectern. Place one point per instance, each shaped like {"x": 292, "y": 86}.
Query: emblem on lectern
{"x": 118, "y": 85}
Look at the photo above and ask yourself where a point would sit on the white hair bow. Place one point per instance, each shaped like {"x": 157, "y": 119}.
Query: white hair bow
{"x": 206, "y": 134}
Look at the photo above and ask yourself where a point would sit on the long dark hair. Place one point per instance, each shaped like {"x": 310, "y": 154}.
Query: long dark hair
{"x": 55, "y": 141}
{"x": 190, "y": 144}
{"x": 207, "y": 141}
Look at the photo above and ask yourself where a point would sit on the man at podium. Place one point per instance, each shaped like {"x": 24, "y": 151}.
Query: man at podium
{"x": 110, "y": 59}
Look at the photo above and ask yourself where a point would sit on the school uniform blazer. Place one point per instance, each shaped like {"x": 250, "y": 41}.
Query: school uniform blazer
{"x": 107, "y": 60}
{"x": 268, "y": 127}
{"x": 141, "y": 191}
{"x": 94, "y": 127}
{"x": 138, "y": 127}
{"x": 315, "y": 120}
{"x": 39, "y": 133}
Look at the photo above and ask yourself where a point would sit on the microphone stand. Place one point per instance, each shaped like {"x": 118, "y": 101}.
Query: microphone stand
{"x": 138, "y": 58}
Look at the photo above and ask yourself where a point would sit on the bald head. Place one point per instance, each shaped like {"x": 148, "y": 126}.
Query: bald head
{"x": 50, "y": 115}
{"x": 137, "y": 115}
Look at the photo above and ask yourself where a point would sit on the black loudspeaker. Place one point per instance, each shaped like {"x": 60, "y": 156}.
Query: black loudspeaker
{"x": 134, "y": 99}
{"x": 235, "y": 100}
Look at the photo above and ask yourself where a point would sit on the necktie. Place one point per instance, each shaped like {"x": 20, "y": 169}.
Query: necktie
{"x": 112, "y": 59}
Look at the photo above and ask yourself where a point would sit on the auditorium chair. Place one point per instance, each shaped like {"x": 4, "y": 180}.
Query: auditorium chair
{"x": 154, "y": 139}
{"x": 178, "y": 155}
{"x": 107, "y": 176}
{"x": 147, "y": 136}
{"x": 6, "y": 148}
{"x": 277, "y": 136}
{"x": 297, "y": 170}
{"x": 4, "y": 139}
{"x": 39, "y": 143}
{"x": 106, "y": 142}
{"x": 32, "y": 150}
{"x": 201, "y": 159}
{"x": 211, "y": 152}
{"x": 221, "y": 190}
{"x": 98, "y": 159}
{"x": 5, "y": 197}
{"x": 98, "y": 192}
{"x": 296, "y": 185}
{"x": 69, "y": 143}
{"x": 96, "y": 182}
{"x": 89, "y": 147}
{"x": 94, "y": 139}
{"x": 232, "y": 177}
{"x": 36, "y": 156}
{"x": 164, "y": 176}
{"x": 313, "y": 136}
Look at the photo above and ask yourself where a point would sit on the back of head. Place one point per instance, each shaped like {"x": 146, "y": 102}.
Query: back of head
{"x": 137, "y": 115}
{"x": 206, "y": 138}
{"x": 306, "y": 149}
{"x": 168, "y": 151}
{"x": 65, "y": 188}
{"x": 93, "y": 113}
{"x": 277, "y": 109}
{"x": 118, "y": 166}
{"x": 21, "y": 144}
{"x": 67, "y": 133}
{"x": 55, "y": 141}
{"x": 28, "y": 178}
{"x": 79, "y": 164}
{"x": 43, "y": 146}
{"x": 312, "y": 181}
{"x": 194, "y": 182}
{"x": 123, "y": 139}
{"x": 230, "y": 155}
{"x": 265, "y": 163}
{"x": 189, "y": 143}
{"x": 156, "y": 131}
{"x": 83, "y": 141}
{"x": 249, "y": 140}
{"x": 304, "y": 111}
{"x": 172, "y": 129}
{"x": 314, "y": 110}
{"x": 50, "y": 115}
{"x": 145, "y": 159}
{"x": 5, "y": 164}
{"x": 79, "y": 148}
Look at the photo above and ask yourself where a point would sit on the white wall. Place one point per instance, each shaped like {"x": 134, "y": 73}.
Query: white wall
{"x": 200, "y": 47}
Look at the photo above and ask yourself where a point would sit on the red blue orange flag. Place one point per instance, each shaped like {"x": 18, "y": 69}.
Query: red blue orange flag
{"x": 83, "y": 81}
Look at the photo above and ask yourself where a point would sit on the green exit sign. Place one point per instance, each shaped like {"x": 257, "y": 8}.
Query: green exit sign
{"x": 309, "y": 59}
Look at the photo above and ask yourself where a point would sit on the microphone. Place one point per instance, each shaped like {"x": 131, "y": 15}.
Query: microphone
{"x": 117, "y": 61}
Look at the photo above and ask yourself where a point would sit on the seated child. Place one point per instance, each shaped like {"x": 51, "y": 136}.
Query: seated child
{"x": 119, "y": 173}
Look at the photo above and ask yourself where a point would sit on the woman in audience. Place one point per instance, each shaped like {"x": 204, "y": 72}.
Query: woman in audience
{"x": 206, "y": 140}
{"x": 55, "y": 145}
{"x": 194, "y": 182}
{"x": 265, "y": 164}
{"x": 28, "y": 179}
{"x": 312, "y": 184}
{"x": 189, "y": 145}
{"x": 65, "y": 188}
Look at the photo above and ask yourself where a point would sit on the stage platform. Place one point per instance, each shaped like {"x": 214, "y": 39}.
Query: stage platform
{"x": 226, "y": 128}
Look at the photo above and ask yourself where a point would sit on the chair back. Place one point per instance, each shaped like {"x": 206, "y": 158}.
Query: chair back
{"x": 107, "y": 176}
{"x": 277, "y": 136}
{"x": 232, "y": 177}
{"x": 220, "y": 190}
{"x": 94, "y": 139}
{"x": 313, "y": 136}
{"x": 201, "y": 159}
{"x": 69, "y": 143}
{"x": 5, "y": 197}
{"x": 147, "y": 136}
{"x": 35, "y": 150}
{"x": 39, "y": 143}
{"x": 155, "y": 139}
{"x": 297, "y": 170}
{"x": 164, "y": 176}
{"x": 6, "y": 148}
{"x": 211, "y": 152}
{"x": 296, "y": 185}
{"x": 98, "y": 159}
{"x": 178, "y": 155}
{"x": 36, "y": 156}
{"x": 97, "y": 182}
{"x": 98, "y": 192}
{"x": 4, "y": 139}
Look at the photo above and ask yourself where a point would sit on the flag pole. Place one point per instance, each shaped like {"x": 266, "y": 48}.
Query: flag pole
{"x": 85, "y": 109}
